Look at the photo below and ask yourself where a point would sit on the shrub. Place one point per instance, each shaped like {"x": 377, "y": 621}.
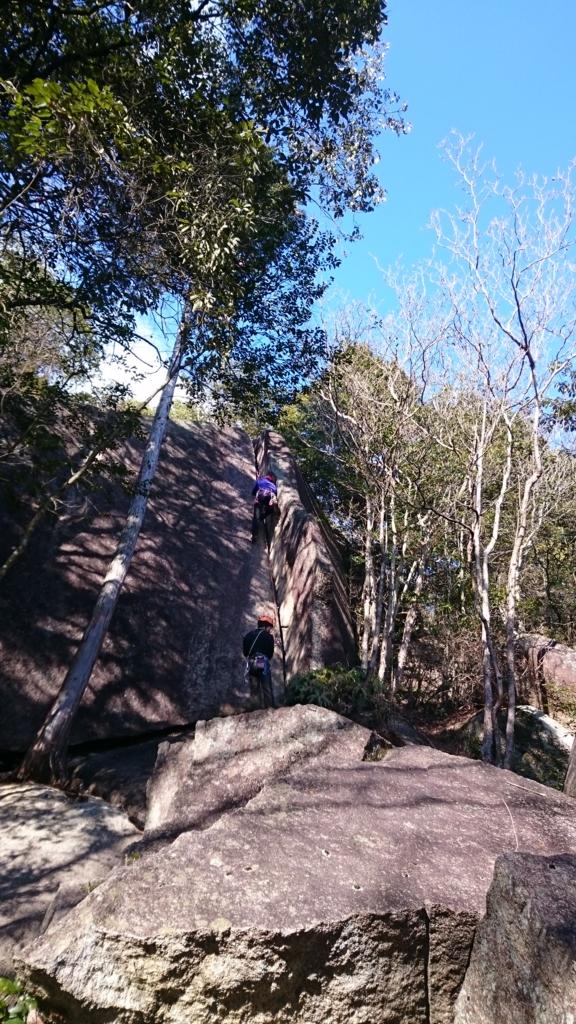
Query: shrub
{"x": 15, "y": 1003}
{"x": 344, "y": 690}
{"x": 17, "y": 1006}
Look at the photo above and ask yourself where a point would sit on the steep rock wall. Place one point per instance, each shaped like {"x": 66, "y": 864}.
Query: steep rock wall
{"x": 172, "y": 654}
{"x": 306, "y": 568}
{"x": 196, "y": 584}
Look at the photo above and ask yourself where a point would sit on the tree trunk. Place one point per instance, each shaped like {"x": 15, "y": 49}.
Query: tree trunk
{"x": 379, "y": 596}
{"x": 518, "y": 549}
{"x": 570, "y": 780}
{"x": 409, "y": 623}
{"x": 368, "y": 590}
{"x": 391, "y": 602}
{"x": 481, "y": 583}
{"x": 492, "y": 676}
{"x": 47, "y": 756}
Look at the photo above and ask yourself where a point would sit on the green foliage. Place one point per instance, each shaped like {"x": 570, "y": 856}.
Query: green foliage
{"x": 561, "y": 410}
{"x": 15, "y": 1002}
{"x": 170, "y": 150}
{"x": 183, "y": 412}
{"x": 562, "y": 703}
{"x": 340, "y": 689}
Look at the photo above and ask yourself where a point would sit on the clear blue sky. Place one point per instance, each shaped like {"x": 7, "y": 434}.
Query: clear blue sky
{"x": 504, "y": 70}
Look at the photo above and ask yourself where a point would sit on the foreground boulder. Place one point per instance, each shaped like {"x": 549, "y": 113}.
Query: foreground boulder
{"x": 342, "y": 892}
{"x": 228, "y": 760}
{"x": 523, "y": 965}
{"x": 53, "y": 851}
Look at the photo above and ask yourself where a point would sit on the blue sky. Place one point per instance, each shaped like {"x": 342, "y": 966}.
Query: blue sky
{"x": 504, "y": 70}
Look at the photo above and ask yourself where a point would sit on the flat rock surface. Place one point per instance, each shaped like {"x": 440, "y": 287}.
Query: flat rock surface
{"x": 173, "y": 651}
{"x": 228, "y": 760}
{"x": 523, "y": 964}
{"x": 52, "y": 848}
{"x": 349, "y": 885}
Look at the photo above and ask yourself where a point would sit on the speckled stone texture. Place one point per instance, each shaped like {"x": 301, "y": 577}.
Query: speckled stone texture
{"x": 196, "y": 583}
{"x": 523, "y": 965}
{"x": 53, "y": 850}
{"x": 305, "y": 564}
{"x": 341, "y": 893}
{"x": 228, "y": 760}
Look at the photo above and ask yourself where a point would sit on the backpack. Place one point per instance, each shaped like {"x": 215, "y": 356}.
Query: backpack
{"x": 255, "y": 664}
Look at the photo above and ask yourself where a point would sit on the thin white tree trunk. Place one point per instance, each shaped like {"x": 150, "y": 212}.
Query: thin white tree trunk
{"x": 46, "y": 757}
{"x": 512, "y": 586}
{"x": 379, "y": 597}
{"x": 409, "y": 623}
{"x": 492, "y": 676}
{"x": 367, "y": 590}
{"x": 481, "y": 582}
{"x": 391, "y": 599}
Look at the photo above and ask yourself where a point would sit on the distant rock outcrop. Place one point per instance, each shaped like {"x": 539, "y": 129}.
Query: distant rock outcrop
{"x": 523, "y": 964}
{"x": 345, "y": 890}
{"x": 548, "y": 661}
{"x": 541, "y": 745}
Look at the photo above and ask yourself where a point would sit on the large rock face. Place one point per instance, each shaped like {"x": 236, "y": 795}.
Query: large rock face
{"x": 173, "y": 651}
{"x": 345, "y": 892}
{"x": 311, "y": 594}
{"x": 196, "y": 584}
{"x": 523, "y": 965}
{"x": 53, "y": 850}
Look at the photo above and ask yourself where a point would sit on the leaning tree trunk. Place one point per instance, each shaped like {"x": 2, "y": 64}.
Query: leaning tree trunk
{"x": 50, "y": 502}
{"x": 47, "y": 756}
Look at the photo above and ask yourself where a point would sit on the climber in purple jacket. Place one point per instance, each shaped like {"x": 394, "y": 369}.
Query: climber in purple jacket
{"x": 265, "y": 494}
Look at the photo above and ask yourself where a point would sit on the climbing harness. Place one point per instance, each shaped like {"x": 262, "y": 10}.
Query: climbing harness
{"x": 256, "y": 666}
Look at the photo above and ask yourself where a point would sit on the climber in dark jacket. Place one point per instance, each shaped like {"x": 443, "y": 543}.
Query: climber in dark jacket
{"x": 265, "y": 494}
{"x": 258, "y": 649}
